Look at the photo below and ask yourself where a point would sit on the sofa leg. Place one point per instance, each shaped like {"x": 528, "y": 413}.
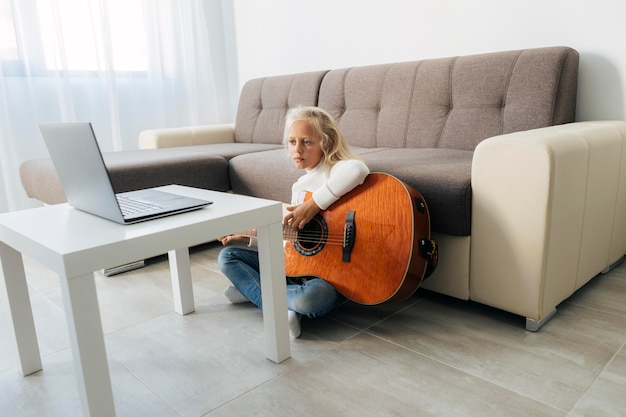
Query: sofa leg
{"x": 534, "y": 325}
{"x": 107, "y": 272}
{"x": 612, "y": 266}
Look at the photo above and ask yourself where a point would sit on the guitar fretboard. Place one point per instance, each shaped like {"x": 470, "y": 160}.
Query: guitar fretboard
{"x": 288, "y": 233}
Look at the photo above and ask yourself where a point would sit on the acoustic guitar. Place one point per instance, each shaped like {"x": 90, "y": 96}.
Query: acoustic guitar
{"x": 373, "y": 244}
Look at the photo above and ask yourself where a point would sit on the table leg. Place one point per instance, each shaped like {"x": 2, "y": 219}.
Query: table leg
{"x": 273, "y": 291}
{"x": 87, "y": 340}
{"x": 29, "y": 358}
{"x": 180, "y": 271}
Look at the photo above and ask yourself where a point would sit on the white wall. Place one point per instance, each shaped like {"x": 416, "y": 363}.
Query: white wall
{"x": 287, "y": 36}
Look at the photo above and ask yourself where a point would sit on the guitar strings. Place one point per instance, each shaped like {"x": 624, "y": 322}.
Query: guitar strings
{"x": 312, "y": 236}
{"x": 306, "y": 236}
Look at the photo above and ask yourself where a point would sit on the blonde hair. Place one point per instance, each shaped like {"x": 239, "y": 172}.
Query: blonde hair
{"x": 334, "y": 145}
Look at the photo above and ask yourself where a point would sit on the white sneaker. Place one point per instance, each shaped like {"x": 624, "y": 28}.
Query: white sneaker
{"x": 294, "y": 324}
{"x": 234, "y": 295}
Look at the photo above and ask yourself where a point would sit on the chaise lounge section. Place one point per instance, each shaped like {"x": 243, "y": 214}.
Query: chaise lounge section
{"x": 526, "y": 204}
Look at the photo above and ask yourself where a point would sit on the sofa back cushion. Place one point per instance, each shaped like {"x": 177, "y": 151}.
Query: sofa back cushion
{"x": 452, "y": 102}
{"x": 264, "y": 102}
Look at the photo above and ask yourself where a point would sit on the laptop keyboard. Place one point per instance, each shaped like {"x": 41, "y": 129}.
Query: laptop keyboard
{"x": 131, "y": 206}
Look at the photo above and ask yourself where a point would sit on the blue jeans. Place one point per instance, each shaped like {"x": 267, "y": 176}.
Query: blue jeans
{"x": 311, "y": 296}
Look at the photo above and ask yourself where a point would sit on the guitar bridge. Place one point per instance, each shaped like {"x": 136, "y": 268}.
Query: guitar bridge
{"x": 349, "y": 236}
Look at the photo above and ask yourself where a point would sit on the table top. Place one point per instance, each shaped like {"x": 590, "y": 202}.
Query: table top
{"x": 73, "y": 242}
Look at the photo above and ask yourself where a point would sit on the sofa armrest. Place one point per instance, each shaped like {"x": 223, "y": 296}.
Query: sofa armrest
{"x": 186, "y": 136}
{"x": 548, "y": 214}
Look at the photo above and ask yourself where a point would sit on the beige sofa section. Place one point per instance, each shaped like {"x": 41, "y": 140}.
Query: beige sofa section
{"x": 548, "y": 214}
{"x": 187, "y": 136}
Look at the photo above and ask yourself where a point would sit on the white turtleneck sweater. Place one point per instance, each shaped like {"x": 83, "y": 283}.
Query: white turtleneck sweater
{"x": 328, "y": 185}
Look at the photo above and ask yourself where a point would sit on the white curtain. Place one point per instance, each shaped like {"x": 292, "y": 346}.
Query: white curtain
{"x": 123, "y": 65}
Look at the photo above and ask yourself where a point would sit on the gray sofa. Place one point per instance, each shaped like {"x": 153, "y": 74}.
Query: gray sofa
{"x": 526, "y": 205}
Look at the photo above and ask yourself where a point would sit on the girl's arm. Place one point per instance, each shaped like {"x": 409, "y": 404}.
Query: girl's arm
{"x": 240, "y": 239}
{"x": 344, "y": 176}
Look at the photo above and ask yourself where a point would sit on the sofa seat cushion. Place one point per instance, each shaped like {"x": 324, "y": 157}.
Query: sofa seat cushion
{"x": 268, "y": 174}
{"x": 442, "y": 176}
{"x": 133, "y": 170}
{"x": 230, "y": 150}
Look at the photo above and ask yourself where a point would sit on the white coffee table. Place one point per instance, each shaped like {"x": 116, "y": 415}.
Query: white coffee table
{"x": 75, "y": 244}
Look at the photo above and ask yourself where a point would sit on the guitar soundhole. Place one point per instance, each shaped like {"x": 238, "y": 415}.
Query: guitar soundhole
{"x": 312, "y": 238}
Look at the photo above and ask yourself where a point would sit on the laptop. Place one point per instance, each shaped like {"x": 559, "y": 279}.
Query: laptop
{"x": 87, "y": 185}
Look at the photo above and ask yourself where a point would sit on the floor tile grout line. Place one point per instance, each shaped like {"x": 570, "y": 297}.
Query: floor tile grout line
{"x": 338, "y": 320}
{"x": 140, "y": 381}
{"x": 448, "y": 365}
{"x": 286, "y": 372}
{"x": 604, "y": 368}
{"x": 368, "y": 331}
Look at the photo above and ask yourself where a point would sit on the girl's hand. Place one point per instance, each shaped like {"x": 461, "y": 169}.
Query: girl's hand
{"x": 301, "y": 214}
{"x": 231, "y": 239}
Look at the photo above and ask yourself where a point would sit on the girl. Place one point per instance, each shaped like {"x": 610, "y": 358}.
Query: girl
{"x": 316, "y": 146}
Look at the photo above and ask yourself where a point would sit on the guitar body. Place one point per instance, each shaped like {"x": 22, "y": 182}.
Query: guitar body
{"x": 385, "y": 262}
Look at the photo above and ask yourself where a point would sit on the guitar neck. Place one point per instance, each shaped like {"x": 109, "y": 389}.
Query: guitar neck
{"x": 288, "y": 233}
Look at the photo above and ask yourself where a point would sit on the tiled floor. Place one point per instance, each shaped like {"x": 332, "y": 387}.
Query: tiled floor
{"x": 428, "y": 356}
